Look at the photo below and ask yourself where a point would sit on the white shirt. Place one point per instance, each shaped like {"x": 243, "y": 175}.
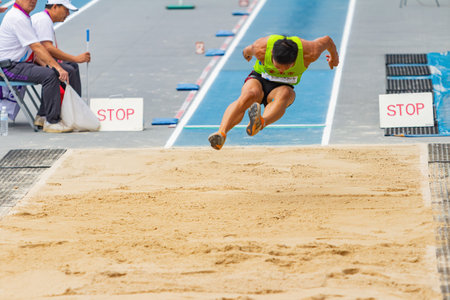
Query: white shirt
{"x": 16, "y": 35}
{"x": 43, "y": 25}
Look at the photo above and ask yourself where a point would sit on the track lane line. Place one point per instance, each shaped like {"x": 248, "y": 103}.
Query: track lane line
{"x": 201, "y": 94}
{"x": 338, "y": 76}
{"x": 73, "y": 15}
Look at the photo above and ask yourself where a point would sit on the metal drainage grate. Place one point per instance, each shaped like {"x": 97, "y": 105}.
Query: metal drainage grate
{"x": 411, "y": 65}
{"x": 15, "y": 183}
{"x": 408, "y": 71}
{"x": 20, "y": 169}
{"x": 406, "y": 59}
{"x": 439, "y": 171}
{"x": 412, "y": 131}
{"x": 31, "y": 158}
{"x": 396, "y": 86}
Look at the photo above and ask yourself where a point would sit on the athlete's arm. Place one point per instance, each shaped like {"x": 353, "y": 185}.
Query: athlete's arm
{"x": 59, "y": 54}
{"x": 313, "y": 49}
{"x": 257, "y": 49}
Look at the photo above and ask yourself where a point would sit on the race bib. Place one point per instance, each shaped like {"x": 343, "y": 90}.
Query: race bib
{"x": 288, "y": 80}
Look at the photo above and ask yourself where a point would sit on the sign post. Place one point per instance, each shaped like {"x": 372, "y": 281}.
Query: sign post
{"x": 87, "y": 66}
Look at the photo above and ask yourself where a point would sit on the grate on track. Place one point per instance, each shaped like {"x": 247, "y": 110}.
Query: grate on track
{"x": 411, "y": 131}
{"x": 406, "y": 59}
{"x": 20, "y": 169}
{"x": 408, "y": 70}
{"x": 398, "y": 86}
{"x": 15, "y": 183}
{"x": 410, "y": 65}
{"x": 439, "y": 177}
{"x": 31, "y": 158}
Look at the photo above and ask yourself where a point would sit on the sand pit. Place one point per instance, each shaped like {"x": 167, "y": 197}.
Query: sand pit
{"x": 241, "y": 223}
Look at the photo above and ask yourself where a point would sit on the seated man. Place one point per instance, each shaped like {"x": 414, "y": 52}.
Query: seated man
{"x": 57, "y": 11}
{"x": 19, "y": 43}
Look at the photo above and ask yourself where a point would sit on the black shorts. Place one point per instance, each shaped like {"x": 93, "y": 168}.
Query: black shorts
{"x": 267, "y": 85}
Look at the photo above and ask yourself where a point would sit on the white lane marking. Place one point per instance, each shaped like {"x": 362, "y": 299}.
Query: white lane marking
{"x": 201, "y": 94}
{"x": 73, "y": 15}
{"x": 337, "y": 77}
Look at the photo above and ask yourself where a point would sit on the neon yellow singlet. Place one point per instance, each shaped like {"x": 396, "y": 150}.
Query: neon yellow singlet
{"x": 268, "y": 71}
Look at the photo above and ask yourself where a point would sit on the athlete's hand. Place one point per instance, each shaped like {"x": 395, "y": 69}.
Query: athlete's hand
{"x": 332, "y": 61}
{"x": 247, "y": 53}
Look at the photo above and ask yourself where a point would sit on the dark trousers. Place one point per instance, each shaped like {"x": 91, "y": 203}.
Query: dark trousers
{"x": 74, "y": 75}
{"x": 74, "y": 81}
{"x": 51, "y": 97}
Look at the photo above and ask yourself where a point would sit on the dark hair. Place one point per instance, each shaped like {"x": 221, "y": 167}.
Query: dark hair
{"x": 49, "y": 6}
{"x": 285, "y": 51}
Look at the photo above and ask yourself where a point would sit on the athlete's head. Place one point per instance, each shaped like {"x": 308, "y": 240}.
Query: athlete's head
{"x": 285, "y": 52}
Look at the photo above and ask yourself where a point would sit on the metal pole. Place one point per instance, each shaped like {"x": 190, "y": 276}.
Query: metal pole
{"x": 87, "y": 68}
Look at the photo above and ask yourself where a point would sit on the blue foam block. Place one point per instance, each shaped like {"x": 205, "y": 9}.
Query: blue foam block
{"x": 215, "y": 52}
{"x": 187, "y": 87}
{"x": 224, "y": 33}
{"x": 240, "y": 13}
{"x": 164, "y": 121}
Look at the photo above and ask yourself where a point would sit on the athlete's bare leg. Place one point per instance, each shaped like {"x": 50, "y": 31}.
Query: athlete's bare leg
{"x": 278, "y": 100}
{"x": 251, "y": 92}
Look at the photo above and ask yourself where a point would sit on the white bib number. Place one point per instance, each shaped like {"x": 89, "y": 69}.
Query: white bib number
{"x": 289, "y": 80}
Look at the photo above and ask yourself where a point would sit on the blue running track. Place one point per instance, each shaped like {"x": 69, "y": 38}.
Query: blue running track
{"x": 304, "y": 121}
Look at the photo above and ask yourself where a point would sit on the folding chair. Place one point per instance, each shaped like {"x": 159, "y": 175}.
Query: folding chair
{"x": 35, "y": 100}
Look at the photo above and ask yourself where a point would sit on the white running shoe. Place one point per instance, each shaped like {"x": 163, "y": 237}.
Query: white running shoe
{"x": 39, "y": 121}
{"x": 59, "y": 127}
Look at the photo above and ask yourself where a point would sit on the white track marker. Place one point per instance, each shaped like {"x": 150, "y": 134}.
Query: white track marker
{"x": 77, "y": 13}
{"x": 209, "y": 67}
{"x": 212, "y": 77}
{"x": 337, "y": 77}
{"x": 10, "y": 3}
{"x": 269, "y": 126}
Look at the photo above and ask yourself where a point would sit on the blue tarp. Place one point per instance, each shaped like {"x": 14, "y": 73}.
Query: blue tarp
{"x": 440, "y": 67}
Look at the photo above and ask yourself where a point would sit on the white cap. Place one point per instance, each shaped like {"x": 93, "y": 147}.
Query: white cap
{"x": 66, "y": 3}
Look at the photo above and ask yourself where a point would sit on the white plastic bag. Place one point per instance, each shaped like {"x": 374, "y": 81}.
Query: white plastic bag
{"x": 76, "y": 113}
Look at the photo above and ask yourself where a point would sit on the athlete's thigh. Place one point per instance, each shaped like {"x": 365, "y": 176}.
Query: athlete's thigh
{"x": 283, "y": 93}
{"x": 252, "y": 89}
